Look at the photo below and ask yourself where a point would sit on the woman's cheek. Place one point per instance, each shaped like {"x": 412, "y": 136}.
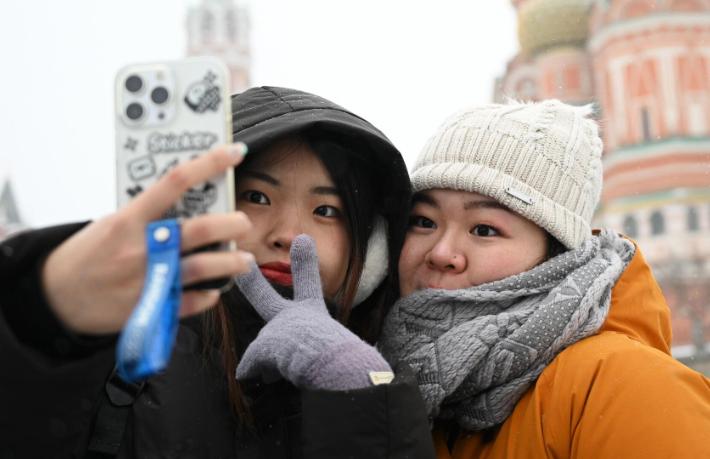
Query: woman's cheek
{"x": 333, "y": 254}
{"x": 409, "y": 260}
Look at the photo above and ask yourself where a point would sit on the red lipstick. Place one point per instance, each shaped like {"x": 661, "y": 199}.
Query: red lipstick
{"x": 277, "y": 272}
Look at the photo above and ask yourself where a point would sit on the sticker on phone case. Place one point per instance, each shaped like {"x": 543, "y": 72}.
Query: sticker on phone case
{"x": 174, "y": 162}
{"x": 185, "y": 141}
{"x": 197, "y": 200}
{"x": 203, "y": 95}
{"x": 171, "y": 213}
{"x": 130, "y": 144}
{"x": 141, "y": 168}
{"x": 134, "y": 191}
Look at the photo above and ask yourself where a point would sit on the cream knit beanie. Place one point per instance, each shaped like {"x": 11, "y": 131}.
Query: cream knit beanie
{"x": 541, "y": 160}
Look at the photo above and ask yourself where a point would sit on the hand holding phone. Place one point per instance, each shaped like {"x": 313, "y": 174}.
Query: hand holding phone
{"x": 168, "y": 113}
{"x": 93, "y": 280}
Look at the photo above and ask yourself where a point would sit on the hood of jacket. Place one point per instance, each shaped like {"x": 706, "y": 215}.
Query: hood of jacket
{"x": 263, "y": 115}
{"x": 638, "y": 308}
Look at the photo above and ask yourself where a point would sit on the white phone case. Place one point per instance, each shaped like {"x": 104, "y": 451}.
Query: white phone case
{"x": 171, "y": 113}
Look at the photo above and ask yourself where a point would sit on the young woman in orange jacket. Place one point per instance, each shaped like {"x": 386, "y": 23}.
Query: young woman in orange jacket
{"x": 530, "y": 335}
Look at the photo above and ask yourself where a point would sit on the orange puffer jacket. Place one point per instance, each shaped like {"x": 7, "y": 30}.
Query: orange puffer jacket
{"x": 617, "y": 394}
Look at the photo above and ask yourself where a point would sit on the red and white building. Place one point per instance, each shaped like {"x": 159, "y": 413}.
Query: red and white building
{"x": 221, "y": 28}
{"x": 646, "y": 63}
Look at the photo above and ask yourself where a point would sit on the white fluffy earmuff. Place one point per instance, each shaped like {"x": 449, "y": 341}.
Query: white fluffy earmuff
{"x": 376, "y": 263}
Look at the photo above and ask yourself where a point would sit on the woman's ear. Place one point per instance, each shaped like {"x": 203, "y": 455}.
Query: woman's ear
{"x": 376, "y": 263}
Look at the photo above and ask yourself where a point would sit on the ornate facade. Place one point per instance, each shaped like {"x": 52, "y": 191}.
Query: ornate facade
{"x": 646, "y": 63}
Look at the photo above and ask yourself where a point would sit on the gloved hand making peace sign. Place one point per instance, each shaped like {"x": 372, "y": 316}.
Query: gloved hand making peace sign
{"x": 301, "y": 342}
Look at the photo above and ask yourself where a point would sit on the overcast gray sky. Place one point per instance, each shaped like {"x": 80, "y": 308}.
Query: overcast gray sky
{"x": 404, "y": 65}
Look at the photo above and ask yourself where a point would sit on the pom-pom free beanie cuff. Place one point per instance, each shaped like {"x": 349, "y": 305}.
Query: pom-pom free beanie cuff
{"x": 542, "y": 160}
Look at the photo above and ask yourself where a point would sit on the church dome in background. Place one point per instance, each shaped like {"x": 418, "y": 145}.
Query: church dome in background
{"x": 543, "y": 24}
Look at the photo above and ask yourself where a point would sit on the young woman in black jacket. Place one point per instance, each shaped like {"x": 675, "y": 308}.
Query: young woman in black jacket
{"x": 65, "y": 291}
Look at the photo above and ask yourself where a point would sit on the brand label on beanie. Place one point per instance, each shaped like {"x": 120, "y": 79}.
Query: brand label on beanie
{"x": 520, "y": 195}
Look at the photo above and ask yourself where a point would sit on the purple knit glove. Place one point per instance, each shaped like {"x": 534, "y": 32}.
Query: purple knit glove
{"x": 301, "y": 342}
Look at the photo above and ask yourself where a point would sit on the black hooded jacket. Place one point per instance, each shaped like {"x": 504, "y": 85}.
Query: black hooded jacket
{"x": 59, "y": 397}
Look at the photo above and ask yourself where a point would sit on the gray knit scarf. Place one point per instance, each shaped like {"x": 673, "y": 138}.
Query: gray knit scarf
{"x": 476, "y": 351}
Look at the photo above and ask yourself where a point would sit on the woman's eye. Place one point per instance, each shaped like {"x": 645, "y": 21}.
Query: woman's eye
{"x": 421, "y": 222}
{"x": 327, "y": 211}
{"x": 484, "y": 231}
{"x": 256, "y": 197}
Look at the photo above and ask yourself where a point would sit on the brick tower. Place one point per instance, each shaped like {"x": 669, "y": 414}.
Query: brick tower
{"x": 221, "y": 28}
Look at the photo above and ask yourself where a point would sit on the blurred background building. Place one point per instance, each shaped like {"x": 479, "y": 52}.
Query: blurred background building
{"x": 646, "y": 64}
{"x": 221, "y": 28}
{"x": 10, "y": 221}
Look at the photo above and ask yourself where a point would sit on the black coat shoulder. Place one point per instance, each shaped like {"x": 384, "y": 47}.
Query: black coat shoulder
{"x": 54, "y": 386}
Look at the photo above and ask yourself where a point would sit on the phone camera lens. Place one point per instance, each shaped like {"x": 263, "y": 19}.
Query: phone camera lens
{"x": 159, "y": 95}
{"x": 134, "y": 111}
{"x": 134, "y": 83}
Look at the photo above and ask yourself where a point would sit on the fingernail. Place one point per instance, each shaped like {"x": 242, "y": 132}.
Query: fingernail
{"x": 238, "y": 149}
{"x": 248, "y": 257}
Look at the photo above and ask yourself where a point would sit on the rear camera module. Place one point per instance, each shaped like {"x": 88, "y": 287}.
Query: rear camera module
{"x": 159, "y": 95}
{"x": 134, "y": 111}
{"x": 134, "y": 83}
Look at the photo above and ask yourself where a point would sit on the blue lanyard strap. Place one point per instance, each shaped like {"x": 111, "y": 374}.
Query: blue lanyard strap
{"x": 147, "y": 338}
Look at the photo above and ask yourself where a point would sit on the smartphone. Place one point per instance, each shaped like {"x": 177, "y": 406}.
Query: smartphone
{"x": 167, "y": 113}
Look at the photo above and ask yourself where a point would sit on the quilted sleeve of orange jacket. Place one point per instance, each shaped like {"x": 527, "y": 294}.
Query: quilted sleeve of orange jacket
{"x": 617, "y": 394}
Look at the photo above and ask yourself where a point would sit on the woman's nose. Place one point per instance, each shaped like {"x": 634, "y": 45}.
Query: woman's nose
{"x": 285, "y": 230}
{"x": 444, "y": 256}
{"x": 282, "y": 240}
